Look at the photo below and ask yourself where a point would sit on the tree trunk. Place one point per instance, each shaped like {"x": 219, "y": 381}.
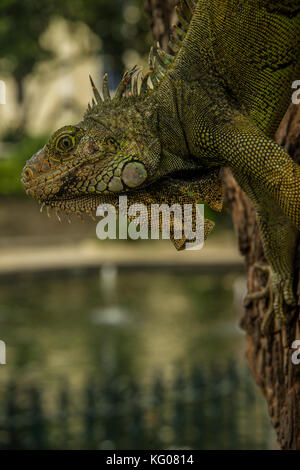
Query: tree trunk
{"x": 270, "y": 359}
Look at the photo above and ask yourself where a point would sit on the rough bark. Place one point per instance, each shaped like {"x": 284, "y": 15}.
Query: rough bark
{"x": 270, "y": 359}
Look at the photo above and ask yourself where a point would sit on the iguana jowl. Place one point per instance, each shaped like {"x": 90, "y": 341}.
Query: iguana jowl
{"x": 216, "y": 101}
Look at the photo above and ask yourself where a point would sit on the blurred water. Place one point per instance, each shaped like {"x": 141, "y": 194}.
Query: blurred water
{"x": 129, "y": 326}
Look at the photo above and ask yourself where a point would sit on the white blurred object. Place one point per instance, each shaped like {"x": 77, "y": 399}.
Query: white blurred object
{"x": 108, "y": 281}
{"x": 113, "y": 315}
{"x": 2, "y": 92}
{"x": 239, "y": 288}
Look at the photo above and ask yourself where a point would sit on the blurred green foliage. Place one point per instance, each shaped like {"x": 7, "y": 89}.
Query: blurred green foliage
{"x": 121, "y": 25}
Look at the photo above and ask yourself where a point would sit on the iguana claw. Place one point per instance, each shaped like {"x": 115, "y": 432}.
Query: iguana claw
{"x": 278, "y": 289}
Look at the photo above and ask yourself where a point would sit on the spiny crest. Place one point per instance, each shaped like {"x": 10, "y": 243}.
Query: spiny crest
{"x": 159, "y": 61}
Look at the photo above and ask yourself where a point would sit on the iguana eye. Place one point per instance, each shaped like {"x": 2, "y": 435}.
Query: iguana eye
{"x": 65, "y": 143}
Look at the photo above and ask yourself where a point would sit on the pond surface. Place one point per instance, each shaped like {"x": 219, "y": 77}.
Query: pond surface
{"x": 130, "y": 326}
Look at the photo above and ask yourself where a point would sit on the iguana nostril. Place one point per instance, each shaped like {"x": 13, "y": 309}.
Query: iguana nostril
{"x": 134, "y": 174}
{"x": 27, "y": 173}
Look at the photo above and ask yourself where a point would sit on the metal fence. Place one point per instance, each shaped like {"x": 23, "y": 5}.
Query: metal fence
{"x": 217, "y": 407}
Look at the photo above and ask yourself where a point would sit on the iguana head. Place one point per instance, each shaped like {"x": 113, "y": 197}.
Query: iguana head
{"x": 125, "y": 145}
{"x": 114, "y": 149}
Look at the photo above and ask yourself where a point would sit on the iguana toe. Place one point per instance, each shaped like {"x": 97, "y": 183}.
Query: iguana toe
{"x": 278, "y": 289}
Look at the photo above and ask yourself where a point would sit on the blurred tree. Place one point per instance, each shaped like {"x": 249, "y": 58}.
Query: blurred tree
{"x": 121, "y": 25}
{"x": 21, "y": 24}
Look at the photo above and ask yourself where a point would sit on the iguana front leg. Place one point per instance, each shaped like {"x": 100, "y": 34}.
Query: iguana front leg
{"x": 267, "y": 167}
{"x": 272, "y": 181}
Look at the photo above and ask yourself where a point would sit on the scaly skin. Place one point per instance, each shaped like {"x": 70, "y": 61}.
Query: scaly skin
{"x": 216, "y": 102}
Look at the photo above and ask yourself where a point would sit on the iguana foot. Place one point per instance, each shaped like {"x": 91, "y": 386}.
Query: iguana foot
{"x": 278, "y": 289}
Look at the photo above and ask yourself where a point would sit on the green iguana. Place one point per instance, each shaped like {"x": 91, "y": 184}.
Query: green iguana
{"x": 215, "y": 101}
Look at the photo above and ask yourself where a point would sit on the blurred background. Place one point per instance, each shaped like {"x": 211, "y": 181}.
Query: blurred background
{"x": 109, "y": 345}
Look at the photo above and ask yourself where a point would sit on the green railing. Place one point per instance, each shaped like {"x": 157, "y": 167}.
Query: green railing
{"x": 207, "y": 408}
